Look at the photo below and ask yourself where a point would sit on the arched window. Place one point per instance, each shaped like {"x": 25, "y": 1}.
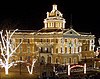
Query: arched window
{"x": 64, "y": 61}
{"x": 49, "y": 59}
{"x": 74, "y": 60}
{"x": 42, "y": 61}
{"x": 69, "y": 60}
{"x": 57, "y": 61}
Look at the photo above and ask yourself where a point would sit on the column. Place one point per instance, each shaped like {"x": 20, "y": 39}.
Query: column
{"x": 90, "y": 45}
{"x": 46, "y": 59}
{"x": 76, "y": 49}
{"x": 67, "y": 50}
{"x": 72, "y": 45}
{"x": 72, "y": 49}
{"x": 63, "y": 23}
{"x": 80, "y": 49}
{"x": 45, "y": 25}
{"x": 93, "y": 44}
{"x": 52, "y": 50}
{"x": 62, "y": 45}
{"x": 60, "y": 25}
{"x": 68, "y": 69}
{"x": 51, "y": 59}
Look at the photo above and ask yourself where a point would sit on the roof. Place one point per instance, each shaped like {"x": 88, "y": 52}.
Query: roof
{"x": 50, "y": 30}
{"x": 25, "y": 31}
{"x": 84, "y": 33}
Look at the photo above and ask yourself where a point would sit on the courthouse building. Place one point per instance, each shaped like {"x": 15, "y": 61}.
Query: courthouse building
{"x": 54, "y": 43}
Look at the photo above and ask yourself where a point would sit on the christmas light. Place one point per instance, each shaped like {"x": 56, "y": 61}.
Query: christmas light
{"x": 28, "y": 68}
{"x": 7, "y": 50}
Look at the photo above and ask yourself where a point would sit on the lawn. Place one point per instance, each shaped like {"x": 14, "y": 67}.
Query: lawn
{"x": 17, "y": 73}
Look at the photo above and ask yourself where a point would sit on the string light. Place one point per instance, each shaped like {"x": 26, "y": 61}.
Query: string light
{"x": 7, "y": 50}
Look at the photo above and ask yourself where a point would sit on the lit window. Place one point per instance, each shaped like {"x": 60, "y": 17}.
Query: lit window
{"x": 56, "y": 40}
{"x": 91, "y": 47}
{"x": 69, "y": 60}
{"x": 28, "y": 41}
{"x": 41, "y": 40}
{"x": 56, "y": 50}
{"x": 74, "y": 61}
{"x": 61, "y": 50}
{"x": 47, "y": 40}
{"x": 65, "y": 49}
{"x": 64, "y": 61}
{"x": 65, "y": 40}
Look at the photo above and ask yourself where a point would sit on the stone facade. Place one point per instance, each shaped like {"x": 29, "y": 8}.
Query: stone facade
{"x": 54, "y": 43}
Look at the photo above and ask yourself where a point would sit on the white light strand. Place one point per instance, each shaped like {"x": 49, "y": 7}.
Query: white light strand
{"x": 28, "y": 68}
{"x": 7, "y": 50}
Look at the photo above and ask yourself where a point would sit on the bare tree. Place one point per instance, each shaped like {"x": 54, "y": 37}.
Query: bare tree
{"x": 30, "y": 70}
{"x": 7, "y": 49}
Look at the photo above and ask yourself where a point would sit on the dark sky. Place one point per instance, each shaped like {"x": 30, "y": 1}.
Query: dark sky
{"x": 30, "y": 15}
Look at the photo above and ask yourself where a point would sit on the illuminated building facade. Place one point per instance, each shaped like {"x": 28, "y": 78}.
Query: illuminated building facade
{"x": 53, "y": 43}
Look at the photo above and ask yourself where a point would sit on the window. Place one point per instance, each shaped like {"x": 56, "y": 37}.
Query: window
{"x": 92, "y": 41}
{"x": 75, "y": 41}
{"x": 20, "y": 57}
{"x": 78, "y": 49}
{"x": 61, "y": 49}
{"x": 47, "y": 50}
{"x": 56, "y": 50}
{"x": 28, "y": 50}
{"x": 47, "y": 25}
{"x": 20, "y": 40}
{"x": 65, "y": 40}
{"x": 70, "y": 32}
{"x": 41, "y": 40}
{"x": 56, "y": 60}
{"x": 64, "y": 61}
{"x": 28, "y": 58}
{"x": 74, "y": 61}
{"x": 47, "y": 40}
{"x": 56, "y": 40}
{"x": 86, "y": 48}
{"x": 69, "y": 60}
{"x": 65, "y": 49}
{"x": 28, "y": 41}
{"x": 91, "y": 47}
{"x": 41, "y": 49}
{"x": 61, "y": 41}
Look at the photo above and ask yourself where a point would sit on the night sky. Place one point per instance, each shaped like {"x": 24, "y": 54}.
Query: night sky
{"x": 30, "y": 15}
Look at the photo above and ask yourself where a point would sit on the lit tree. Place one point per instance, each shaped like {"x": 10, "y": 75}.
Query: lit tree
{"x": 30, "y": 70}
{"x": 7, "y": 49}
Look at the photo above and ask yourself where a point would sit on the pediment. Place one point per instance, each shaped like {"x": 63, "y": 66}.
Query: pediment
{"x": 71, "y": 32}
